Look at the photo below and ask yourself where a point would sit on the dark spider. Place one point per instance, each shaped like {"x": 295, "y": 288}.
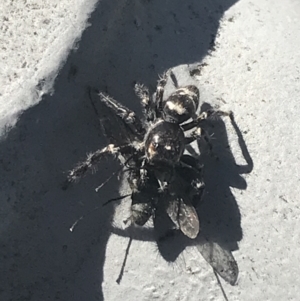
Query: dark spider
{"x": 159, "y": 173}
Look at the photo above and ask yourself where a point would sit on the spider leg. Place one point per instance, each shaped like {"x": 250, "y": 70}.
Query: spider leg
{"x": 94, "y": 158}
{"x": 205, "y": 115}
{"x": 218, "y": 113}
{"x": 161, "y": 83}
{"x": 197, "y": 134}
{"x": 128, "y": 116}
{"x": 153, "y": 108}
{"x": 148, "y": 105}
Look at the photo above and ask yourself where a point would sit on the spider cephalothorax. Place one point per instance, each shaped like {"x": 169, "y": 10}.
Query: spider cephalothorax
{"x": 159, "y": 173}
{"x": 164, "y": 142}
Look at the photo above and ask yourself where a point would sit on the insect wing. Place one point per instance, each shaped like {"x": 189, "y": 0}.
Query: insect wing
{"x": 220, "y": 259}
{"x": 184, "y": 216}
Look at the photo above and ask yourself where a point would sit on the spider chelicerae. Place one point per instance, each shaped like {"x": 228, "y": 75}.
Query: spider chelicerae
{"x": 160, "y": 175}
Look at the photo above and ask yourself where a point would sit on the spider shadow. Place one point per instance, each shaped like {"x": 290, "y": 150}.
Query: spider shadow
{"x": 219, "y": 212}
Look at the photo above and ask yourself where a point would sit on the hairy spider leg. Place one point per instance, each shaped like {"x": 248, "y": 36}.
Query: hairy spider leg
{"x": 94, "y": 158}
{"x": 205, "y": 115}
{"x": 148, "y": 105}
{"x": 197, "y": 134}
{"x": 200, "y": 132}
{"x": 128, "y": 116}
{"x": 161, "y": 83}
{"x": 153, "y": 109}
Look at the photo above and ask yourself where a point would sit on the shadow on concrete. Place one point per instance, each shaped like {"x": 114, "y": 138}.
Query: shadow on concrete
{"x": 127, "y": 41}
{"x": 219, "y": 212}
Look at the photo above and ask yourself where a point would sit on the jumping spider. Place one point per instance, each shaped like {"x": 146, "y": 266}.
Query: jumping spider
{"x": 159, "y": 173}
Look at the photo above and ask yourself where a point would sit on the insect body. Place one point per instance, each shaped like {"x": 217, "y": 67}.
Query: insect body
{"x": 152, "y": 151}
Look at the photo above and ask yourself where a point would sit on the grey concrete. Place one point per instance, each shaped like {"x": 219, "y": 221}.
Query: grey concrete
{"x": 251, "y": 56}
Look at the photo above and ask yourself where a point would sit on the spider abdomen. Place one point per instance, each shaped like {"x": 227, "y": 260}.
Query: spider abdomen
{"x": 181, "y": 105}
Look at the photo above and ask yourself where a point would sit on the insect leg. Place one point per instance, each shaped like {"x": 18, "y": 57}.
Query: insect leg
{"x": 174, "y": 79}
{"x": 124, "y": 262}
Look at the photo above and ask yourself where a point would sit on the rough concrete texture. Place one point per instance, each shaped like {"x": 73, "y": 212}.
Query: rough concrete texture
{"x": 244, "y": 56}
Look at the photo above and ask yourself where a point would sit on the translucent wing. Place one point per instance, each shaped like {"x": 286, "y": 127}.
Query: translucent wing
{"x": 220, "y": 259}
{"x": 184, "y": 216}
{"x": 178, "y": 198}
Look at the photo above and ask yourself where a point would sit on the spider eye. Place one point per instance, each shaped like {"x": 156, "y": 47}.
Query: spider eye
{"x": 154, "y": 145}
{"x": 152, "y": 149}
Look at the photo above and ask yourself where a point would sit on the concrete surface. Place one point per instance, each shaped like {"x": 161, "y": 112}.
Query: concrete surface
{"x": 245, "y": 57}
